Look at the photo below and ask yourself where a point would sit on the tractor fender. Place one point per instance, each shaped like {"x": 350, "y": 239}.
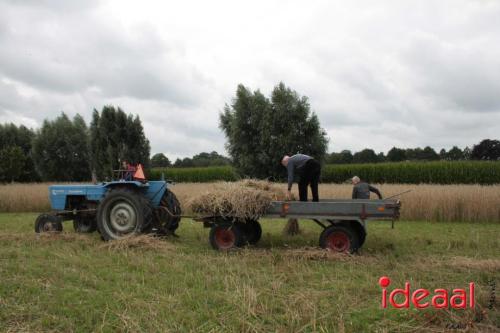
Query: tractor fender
{"x": 132, "y": 184}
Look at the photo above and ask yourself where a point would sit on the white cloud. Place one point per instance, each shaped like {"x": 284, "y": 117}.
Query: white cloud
{"x": 378, "y": 74}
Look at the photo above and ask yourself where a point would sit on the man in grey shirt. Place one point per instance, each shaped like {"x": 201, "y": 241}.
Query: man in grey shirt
{"x": 309, "y": 171}
{"x": 361, "y": 190}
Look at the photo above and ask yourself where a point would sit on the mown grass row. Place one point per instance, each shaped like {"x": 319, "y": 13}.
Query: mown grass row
{"x": 441, "y": 172}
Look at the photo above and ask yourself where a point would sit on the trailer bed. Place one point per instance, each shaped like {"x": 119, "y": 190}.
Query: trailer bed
{"x": 343, "y": 222}
{"x": 335, "y": 209}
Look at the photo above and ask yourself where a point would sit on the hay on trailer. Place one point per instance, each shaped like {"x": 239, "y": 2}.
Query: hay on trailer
{"x": 245, "y": 199}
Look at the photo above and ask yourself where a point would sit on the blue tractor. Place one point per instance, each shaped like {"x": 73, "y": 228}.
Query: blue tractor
{"x": 116, "y": 209}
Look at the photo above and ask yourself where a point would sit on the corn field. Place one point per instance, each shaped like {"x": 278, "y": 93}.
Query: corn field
{"x": 440, "y": 172}
{"x": 194, "y": 175}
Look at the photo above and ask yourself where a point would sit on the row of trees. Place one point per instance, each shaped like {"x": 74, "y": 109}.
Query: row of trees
{"x": 67, "y": 149}
{"x": 485, "y": 150}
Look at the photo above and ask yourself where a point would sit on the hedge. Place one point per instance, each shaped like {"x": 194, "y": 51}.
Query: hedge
{"x": 194, "y": 175}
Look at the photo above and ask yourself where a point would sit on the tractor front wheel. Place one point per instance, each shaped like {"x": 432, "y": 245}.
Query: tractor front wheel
{"x": 48, "y": 223}
{"x": 123, "y": 213}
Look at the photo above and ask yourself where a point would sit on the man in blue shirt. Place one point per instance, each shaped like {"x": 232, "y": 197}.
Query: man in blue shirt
{"x": 309, "y": 171}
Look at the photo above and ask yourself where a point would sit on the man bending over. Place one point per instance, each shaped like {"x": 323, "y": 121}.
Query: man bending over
{"x": 309, "y": 171}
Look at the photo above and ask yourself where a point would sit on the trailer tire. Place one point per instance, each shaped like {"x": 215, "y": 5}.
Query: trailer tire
{"x": 48, "y": 223}
{"x": 252, "y": 231}
{"x": 84, "y": 224}
{"x": 226, "y": 236}
{"x": 123, "y": 213}
{"x": 339, "y": 238}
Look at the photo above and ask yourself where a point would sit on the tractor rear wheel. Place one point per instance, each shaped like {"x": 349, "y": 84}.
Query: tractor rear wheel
{"x": 84, "y": 224}
{"x": 168, "y": 213}
{"x": 123, "y": 213}
{"x": 339, "y": 239}
{"x": 226, "y": 236}
{"x": 48, "y": 223}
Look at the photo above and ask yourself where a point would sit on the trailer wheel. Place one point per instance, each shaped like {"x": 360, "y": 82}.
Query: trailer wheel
{"x": 226, "y": 236}
{"x": 84, "y": 224}
{"x": 252, "y": 230}
{"x": 48, "y": 223}
{"x": 339, "y": 239}
{"x": 123, "y": 213}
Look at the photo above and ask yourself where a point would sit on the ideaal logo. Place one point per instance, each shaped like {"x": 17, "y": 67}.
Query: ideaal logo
{"x": 423, "y": 298}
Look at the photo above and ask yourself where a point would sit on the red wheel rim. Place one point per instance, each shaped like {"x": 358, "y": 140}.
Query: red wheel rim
{"x": 338, "y": 241}
{"x": 224, "y": 238}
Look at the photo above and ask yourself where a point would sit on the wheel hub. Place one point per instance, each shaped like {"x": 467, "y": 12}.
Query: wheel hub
{"x": 48, "y": 227}
{"x": 225, "y": 238}
{"x": 122, "y": 217}
{"x": 339, "y": 241}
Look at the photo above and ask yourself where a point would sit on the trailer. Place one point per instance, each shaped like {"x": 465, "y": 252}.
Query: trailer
{"x": 343, "y": 222}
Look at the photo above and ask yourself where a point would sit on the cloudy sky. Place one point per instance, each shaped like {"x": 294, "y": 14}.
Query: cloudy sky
{"x": 377, "y": 73}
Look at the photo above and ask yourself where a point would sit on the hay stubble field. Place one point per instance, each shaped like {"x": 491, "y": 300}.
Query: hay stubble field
{"x": 436, "y": 203}
{"x": 71, "y": 282}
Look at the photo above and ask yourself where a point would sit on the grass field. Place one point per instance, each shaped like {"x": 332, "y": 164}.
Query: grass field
{"x": 68, "y": 282}
{"x": 455, "y": 203}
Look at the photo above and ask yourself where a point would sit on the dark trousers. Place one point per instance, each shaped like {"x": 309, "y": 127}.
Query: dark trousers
{"x": 309, "y": 175}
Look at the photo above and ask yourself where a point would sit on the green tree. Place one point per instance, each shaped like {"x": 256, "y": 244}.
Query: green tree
{"x": 467, "y": 153}
{"x": 396, "y": 155}
{"x": 260, "y": 131}
{"x": 344, "y": 157}
{"x": 414, "y": 154}
{"x": 116, "y": 136}
{"x": 22, "y": 137}
{"x": 419, "y": 154}
{"x": 160, "y": 161}
{"x": 365, "y": 156}
{"x": 210, "y": 159}
{"x": 486, "y": 150}
{"x": 12, "y": 161}
{"x": 455, "y": 154}
{"x": 429, "y": 154}
{"x": 60, "y": 149}
{"x": 443, "y": 155}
